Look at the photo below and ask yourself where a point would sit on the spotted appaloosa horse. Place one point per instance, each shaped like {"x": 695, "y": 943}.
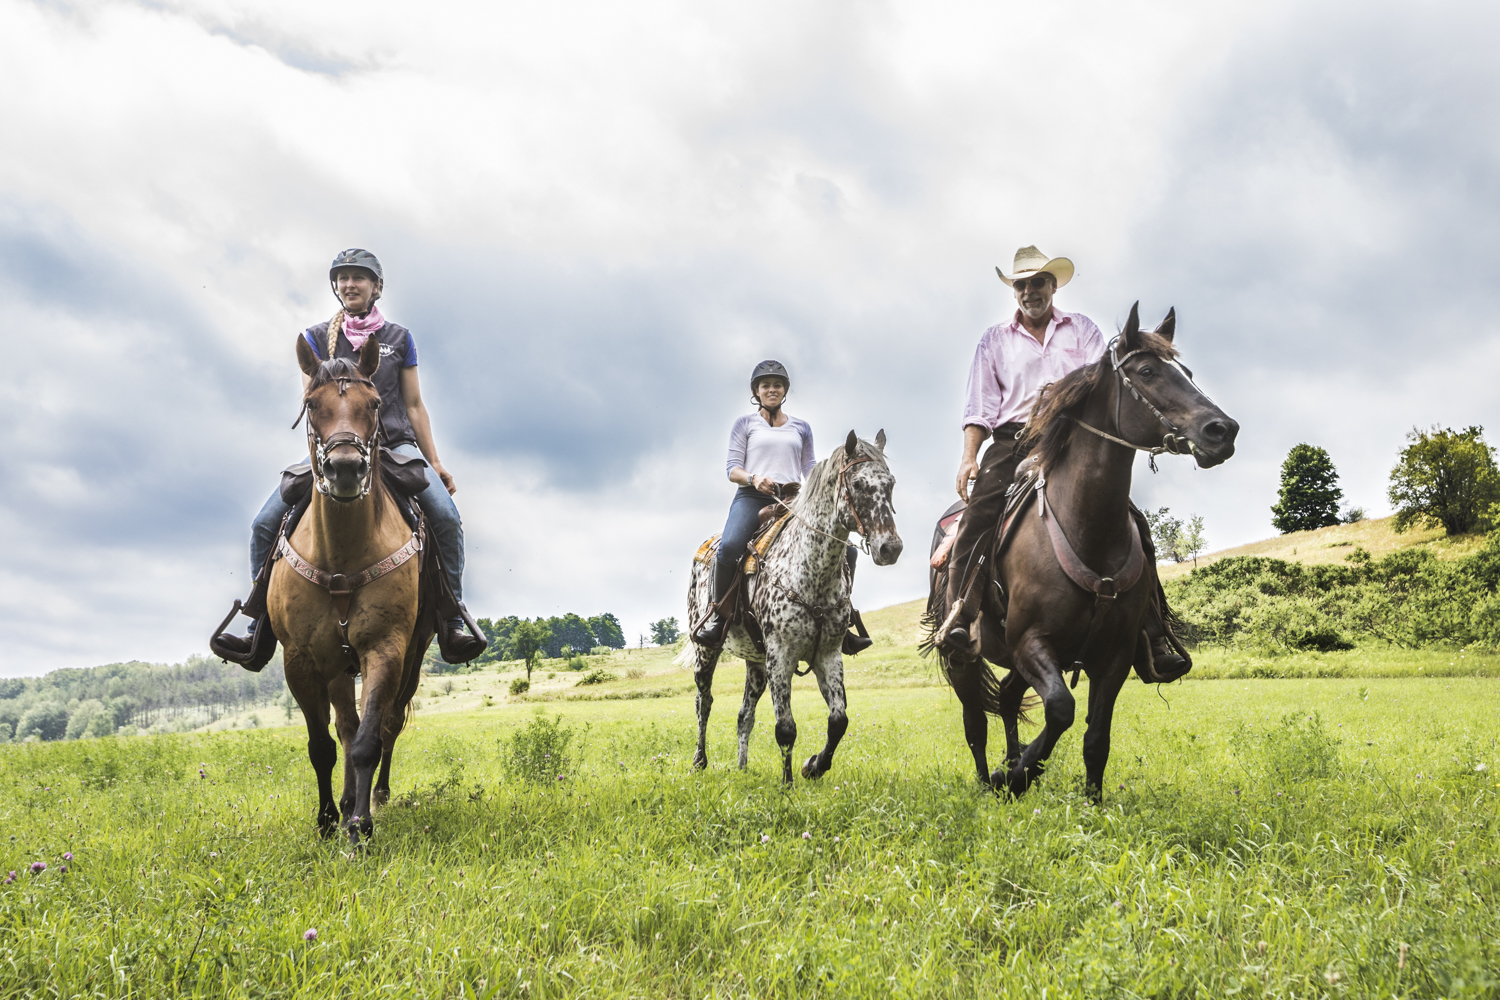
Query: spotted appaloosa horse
{"x": 354, "y": 539}
{"x": 800, "y": 596}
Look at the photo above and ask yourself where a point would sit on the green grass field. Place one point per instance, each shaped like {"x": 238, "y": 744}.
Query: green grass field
{"x": 1261, "y": 837}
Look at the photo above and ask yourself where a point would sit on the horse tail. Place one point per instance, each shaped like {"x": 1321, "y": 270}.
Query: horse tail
{"x": 995, "y": 693}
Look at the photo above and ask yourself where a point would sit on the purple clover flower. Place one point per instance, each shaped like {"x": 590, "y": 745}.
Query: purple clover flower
{"x": 311, "y": 934}
{"x": 765, "y": 838}
{"x": 67, "y": 855}
{"x": 64, "y": 869}
{"x": 9, "y": 879}
{"x": 37, "y": 867}
{"x": 806, "y": 835}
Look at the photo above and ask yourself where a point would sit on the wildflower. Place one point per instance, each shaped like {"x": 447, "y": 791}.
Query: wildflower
{"x": 1480, "y": 767}
{"x": 835, "y": 840}
{"x": 1036, "y": 812}
{"x": 64, "y": 869}
{"x": 311, "y": 934}
{"x": 67, "y": 855}
{"x": 37, "y": 867}
{"x": 9, "y": 878}
{"x": 765, "y": 838}
{"x": 806, "y": 835}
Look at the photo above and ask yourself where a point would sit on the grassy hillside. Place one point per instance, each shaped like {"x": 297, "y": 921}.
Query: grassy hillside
{"x": 1333, "y": 544}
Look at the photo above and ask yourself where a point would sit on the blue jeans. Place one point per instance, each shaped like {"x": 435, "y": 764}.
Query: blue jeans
{"x": 446, "y": 527}
{"x": 744, "y": 517}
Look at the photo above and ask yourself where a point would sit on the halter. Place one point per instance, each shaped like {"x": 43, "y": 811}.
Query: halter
{"x": 321, "y": 448}
{"x": 1173, "y": 442}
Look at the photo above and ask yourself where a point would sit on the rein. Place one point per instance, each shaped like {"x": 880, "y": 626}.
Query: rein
{"x": 841, "y": 488}
{"x": 1173, "y": 442}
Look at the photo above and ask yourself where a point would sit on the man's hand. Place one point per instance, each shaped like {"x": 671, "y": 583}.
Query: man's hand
{"x": 443, "y": 475}
{"x": 968, "y": 466}
{"x": 967, "y": 469}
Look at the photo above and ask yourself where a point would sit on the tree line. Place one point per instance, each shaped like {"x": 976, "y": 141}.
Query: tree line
{"x": 513, "y": 638}
{"x": 101, "y": 701}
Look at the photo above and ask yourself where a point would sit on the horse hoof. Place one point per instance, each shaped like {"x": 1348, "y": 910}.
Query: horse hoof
{"x": 380, "y": 796}
{"x": 700, "y": 761}
{"x": 810, "y": 769}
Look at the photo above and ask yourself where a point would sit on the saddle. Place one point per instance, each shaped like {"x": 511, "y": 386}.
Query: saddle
{"x": 404, "y": 477}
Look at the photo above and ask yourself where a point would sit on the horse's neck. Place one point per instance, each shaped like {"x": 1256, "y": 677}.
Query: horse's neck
{"x": 347, "y": 537}
{"x": 819, "y": 540}
{"x": 1089, "y": 489}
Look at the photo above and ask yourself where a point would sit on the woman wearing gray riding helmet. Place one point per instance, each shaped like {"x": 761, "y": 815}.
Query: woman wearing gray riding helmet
{"x": 770, "y": 452}
{"x": 358, "y": 280}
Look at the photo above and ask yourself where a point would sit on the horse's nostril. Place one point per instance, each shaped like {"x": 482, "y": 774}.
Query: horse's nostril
{"x": 1215, "y": 430}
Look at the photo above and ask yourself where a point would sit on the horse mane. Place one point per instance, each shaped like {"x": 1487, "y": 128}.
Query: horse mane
{"x": 331, "y": 371}
{"x": 1050, "y": 427}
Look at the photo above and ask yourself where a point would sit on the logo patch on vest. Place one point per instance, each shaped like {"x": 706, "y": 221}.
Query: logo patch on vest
{"x": 386, "y": 350}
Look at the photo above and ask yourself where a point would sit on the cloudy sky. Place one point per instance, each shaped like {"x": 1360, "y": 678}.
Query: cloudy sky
{"x": 597, "y": 217}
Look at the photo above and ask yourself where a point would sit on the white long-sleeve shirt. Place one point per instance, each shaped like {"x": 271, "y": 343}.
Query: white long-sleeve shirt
{"x": 782, "y": 454}
{"x": 1010, "y": 366}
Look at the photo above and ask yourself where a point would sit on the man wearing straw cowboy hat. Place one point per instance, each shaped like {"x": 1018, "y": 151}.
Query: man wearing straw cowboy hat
{"x": 1014, "y": 360}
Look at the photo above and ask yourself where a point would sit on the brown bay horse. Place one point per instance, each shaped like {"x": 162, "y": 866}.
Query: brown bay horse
{"x": 1061, "y": 557}
{"x": 344, "y": 596}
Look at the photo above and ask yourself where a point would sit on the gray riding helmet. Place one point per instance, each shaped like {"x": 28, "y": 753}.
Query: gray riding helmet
{"x": 355, "y": 257}
{"x": 767, "y": 369}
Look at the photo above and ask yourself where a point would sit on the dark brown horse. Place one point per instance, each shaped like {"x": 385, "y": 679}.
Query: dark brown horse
{"x": 1071, "y": 546}
{"x": 344, "y": 596}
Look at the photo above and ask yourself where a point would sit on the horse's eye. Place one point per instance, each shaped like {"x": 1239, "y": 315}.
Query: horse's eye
{"x": 1147, "y": 371}
{"x": 374, "y": 404}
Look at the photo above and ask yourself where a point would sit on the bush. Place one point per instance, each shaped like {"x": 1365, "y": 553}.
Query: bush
{"x": 539, "y": 753}
{"x": 577, "y": 663}
{"x": 1295, "y": 750}
{"x": 596, "y": 677}
{"x": 519, "y": 685}
{"x": 1410, "y": 598}
{"x": 1445, "y": 477}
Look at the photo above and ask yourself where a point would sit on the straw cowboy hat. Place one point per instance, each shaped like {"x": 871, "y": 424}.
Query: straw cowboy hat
{"x": 1030, "y": 260}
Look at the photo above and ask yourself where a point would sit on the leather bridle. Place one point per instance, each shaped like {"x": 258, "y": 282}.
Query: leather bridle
{"x": 320, "y": 448}
{"x": 1174, "y": 442}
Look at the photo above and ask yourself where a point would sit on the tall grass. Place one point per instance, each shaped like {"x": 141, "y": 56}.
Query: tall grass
{"x": 1283, "y": 838}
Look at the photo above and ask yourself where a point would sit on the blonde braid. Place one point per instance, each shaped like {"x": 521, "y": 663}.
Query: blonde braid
{"x": 334, "y": 326}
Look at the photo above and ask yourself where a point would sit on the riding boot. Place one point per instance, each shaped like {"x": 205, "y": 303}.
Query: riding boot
{"x": 456, "y": 643}
{"x": 710, "y": 634}
{"x": 1169, "y": 659}
{"x": 856, "y": 644}
{"x": 240, "y": 644}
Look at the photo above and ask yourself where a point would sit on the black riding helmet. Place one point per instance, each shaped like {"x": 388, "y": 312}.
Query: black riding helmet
{"x": 354, "y": 257}
{"x": 768, "y": 369}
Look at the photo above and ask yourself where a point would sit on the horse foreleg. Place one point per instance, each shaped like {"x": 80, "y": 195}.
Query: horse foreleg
{"x": 779, "y": 674}
{"x": 346, "y": 724}
{"x": 381, "y": 676}
{"x": 1012, "y": 694}
{"x": 704, "y": 662}
{"x": 322, "y": 751}
{"x": 830, "y": 676}
{"x": 755, "y": 686}
{"x": 1103, "y": 691}
{"x": 1039, "y": 665}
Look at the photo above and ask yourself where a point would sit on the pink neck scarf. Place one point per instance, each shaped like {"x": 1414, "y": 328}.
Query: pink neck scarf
{"x": 358, "y": 328}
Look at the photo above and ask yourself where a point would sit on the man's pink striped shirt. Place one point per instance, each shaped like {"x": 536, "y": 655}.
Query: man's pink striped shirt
{"x": 1010, "y": 366}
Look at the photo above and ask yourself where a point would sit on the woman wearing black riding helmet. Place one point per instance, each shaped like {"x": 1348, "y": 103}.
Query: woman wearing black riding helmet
{"x": 357, "y": 280}
{"x": 770, "y": 453}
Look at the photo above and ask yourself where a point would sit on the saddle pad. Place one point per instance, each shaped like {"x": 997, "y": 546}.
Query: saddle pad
{"x": 760, "y": 545}
{"x": 705, "y": 554}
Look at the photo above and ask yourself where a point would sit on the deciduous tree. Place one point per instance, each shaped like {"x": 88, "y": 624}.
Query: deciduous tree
{"x": 1445, "y": 477}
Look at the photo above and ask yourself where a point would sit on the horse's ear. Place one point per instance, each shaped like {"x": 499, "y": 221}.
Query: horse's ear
{"x": 851, "y": 445}
{"x": 306, "y": 359}
{"x": 1130, "y": 336}
{"x": 1169, "y": 325}
{"x": 880, "y": 440}
{"x": 369, "y": 358}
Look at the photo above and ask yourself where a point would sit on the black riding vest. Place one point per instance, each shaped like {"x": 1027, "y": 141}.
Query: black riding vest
{"x": 395, "y": 427}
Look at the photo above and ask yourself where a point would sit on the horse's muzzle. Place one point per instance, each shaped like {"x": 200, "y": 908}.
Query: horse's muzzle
{"x": 886, "y": 549}
{"x": 346, "y": 473}
{"x": 1213, "y": 441}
